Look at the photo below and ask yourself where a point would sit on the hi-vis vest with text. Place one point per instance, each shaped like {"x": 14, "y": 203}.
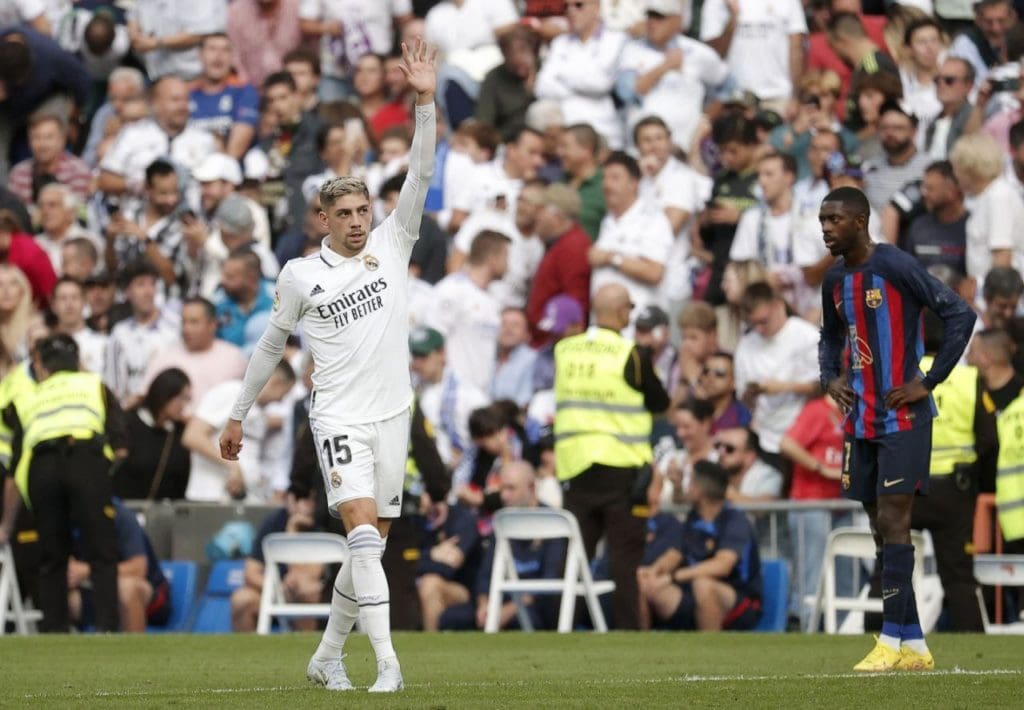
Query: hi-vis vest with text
{"x": 1010, "y": 466}
{"x": 953, "y": 429}
{"x": 13, "y": 387}
{"x": 598, "y": 417}
{"x": 65, "y": 404}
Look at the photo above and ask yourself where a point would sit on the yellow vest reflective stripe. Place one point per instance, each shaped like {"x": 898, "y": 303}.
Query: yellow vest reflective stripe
{"x": 953, "y": 429}
{"x": 598, "y": 417}
{"x": 1010, "y": 477}
{"x": 12, "y": 387}
{"x": 66, "y": 404}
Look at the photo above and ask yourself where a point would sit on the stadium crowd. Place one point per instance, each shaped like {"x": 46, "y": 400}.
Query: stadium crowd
{"x": 162, "y": 160}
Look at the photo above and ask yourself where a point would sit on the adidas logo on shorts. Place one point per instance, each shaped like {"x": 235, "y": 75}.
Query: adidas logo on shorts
{"x": 317, "y": 290}
{"x": 395, "y": 501}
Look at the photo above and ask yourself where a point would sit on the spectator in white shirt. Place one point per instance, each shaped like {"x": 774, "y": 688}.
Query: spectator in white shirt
{"x": 763, "y": 42}
{"x": 668, "y": 75}
{"x": 167, "y": 134}
{"x": 467, "y": 315}
{"x": 776, "y": 366}
{"x": 167, "y": 34}
{"x": 681, "y": 192}
{"x": 767, "y": 232}
{"x": 635, "y": 238}
{"x": 136, "y": 340}
{"x": 58, "y": 211}
{"x": 995, "y": 229}
{"x": 68, "y": 306}
{"x": 25, "y": 12}
{"x": 580, "y": 71}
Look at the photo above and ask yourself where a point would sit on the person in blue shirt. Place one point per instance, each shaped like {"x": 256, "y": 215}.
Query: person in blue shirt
{"x": 243, "y": 295}
{"x": 869, "y": 354}
{"x": 708, "y": 574}
{"x": 227, "y": 109}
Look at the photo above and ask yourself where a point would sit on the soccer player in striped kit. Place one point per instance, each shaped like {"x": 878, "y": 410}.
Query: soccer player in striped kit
{"x": 870, "y": 350}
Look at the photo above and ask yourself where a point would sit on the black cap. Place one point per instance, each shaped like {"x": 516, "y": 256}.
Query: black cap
{"x": 650, "y": 317}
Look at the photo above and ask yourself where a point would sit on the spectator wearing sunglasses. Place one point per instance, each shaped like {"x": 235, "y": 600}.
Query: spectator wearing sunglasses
{"x": 953, "y": 86}
{"x": 717, "y": 384}
{"x": 751, "y": 479}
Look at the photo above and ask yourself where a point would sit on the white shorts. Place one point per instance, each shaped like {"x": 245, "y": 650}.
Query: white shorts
{"x": 363, "y": 461}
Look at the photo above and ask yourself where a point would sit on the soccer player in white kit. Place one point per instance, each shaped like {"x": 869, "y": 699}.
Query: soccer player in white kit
{"x": 352, "y": 301}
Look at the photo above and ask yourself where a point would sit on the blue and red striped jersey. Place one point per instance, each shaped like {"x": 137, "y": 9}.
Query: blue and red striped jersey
{"x": 872, "y": 330}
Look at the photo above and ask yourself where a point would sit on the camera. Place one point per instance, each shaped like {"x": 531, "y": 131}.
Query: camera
{"x": 999, "y": 85}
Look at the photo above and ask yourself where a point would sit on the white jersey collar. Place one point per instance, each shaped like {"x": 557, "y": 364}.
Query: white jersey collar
{"x": 333, "y": 258}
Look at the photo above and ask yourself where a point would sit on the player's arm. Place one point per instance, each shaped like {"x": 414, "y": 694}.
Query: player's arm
{"x": 418, "y": 67}
{"x": 830, "y": 349}
{"x": 288, "y": 307}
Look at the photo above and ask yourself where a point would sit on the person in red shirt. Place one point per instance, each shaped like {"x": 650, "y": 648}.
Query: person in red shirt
{"x": 814, "y": 443}
{"x": 19, "y": 249}
{"x": 820, "y": 54}
{"x": 564, "y": 269}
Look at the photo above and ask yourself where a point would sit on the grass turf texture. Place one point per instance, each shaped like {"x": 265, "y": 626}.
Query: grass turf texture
{"x": 507, "y": 670}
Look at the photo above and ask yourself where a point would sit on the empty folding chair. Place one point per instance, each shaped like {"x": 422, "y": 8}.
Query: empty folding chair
{"x": 11, "y": 605}
{"x": 292, "y": 549}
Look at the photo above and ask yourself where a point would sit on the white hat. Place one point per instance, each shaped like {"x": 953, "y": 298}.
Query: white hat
{"x": 665, "y": 7}
{"x": 256, "y": 164}
{"x": 218, "y": 166}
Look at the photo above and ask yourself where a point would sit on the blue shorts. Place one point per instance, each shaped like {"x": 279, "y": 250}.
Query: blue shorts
{"x": 742, "y": 617}
{"x": 890, "y": 464}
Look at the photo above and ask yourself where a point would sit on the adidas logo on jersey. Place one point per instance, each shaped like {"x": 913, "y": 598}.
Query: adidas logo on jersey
{"x": 317, "y": 290}
{"x": 395, "y": 501}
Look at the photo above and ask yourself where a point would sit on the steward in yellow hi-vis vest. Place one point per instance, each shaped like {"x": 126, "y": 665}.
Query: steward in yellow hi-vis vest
{"x": 61, "y": 428}
{"x": 606, "y": 390}
{"x": 19, "y": 380}
{"x": 948, "y": 509}
{"x": 1010, "y": 469}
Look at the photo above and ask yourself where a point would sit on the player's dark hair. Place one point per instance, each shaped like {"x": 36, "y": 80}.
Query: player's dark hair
{"x": 627, "y": 161}
{"x": 485, "y": 244}
{"x": 58, "y": 353}
{"x": 712, "y": 479}
{"x": 165, "y": 386}
{"x": 853, "y": 200}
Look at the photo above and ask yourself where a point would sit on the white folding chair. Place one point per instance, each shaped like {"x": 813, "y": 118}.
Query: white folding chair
{"x": 999, "y": 571}
{"x": 543, "y": 524}
{"x": 860, "y": 544}
{"x": 294, "y": 549}
{"x": 11, "y": 605}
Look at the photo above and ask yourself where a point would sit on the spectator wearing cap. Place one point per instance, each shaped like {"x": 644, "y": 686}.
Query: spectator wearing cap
{"x": 20, "y": 250}
{"x": 652, "y": 331}
{"x": 467, "y": 315}
{"x": 445, "y": 398}
{"x": 580, "y": 71}
{"x": 48, "y": 139}
{"x": 681, "y": 193}
{"x": 562, "y": 318}
{"x": 667, "y": 75}
{"x": 233, "y": 231}
{"x": 58, "y": 208}
{"x": 513, "y": 374}
{"x": 995, "y": 228}
{"x": 134, "y": 341}
{"x": 635, "y": 238}
{"x": 167, "y": 133}
{"x": 762, "y": 43}
{"x": 219, "y": 175}
{"x": 902, "y": 162}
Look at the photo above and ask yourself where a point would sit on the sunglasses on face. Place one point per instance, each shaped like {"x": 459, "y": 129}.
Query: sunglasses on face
{"x": 723, "y": 446}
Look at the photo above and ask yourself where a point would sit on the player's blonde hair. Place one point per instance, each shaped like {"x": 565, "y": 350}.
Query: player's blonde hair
{"x": 337, "y": 187}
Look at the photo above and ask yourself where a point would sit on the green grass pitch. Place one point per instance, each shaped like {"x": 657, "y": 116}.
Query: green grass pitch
{"x": 617, "y": 670}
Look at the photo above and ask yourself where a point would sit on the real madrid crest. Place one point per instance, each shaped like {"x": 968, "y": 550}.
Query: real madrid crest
{"x": 873, "y": 297}
{"x": 370, "y": 262}
{"x": 335, "y": 479}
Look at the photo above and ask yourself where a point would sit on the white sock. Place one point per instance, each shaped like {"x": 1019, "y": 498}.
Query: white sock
{"x": 890, "y": 641}
{"x": 344, "y": 612}
{"x": 916, "y": 645}
{"x": 371, "y": 587}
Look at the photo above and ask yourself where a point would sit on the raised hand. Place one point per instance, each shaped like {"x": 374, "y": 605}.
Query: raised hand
{"x": 418, "y": 67}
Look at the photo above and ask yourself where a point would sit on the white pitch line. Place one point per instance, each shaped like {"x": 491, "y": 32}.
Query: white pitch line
{"x": 594, "y": 682}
